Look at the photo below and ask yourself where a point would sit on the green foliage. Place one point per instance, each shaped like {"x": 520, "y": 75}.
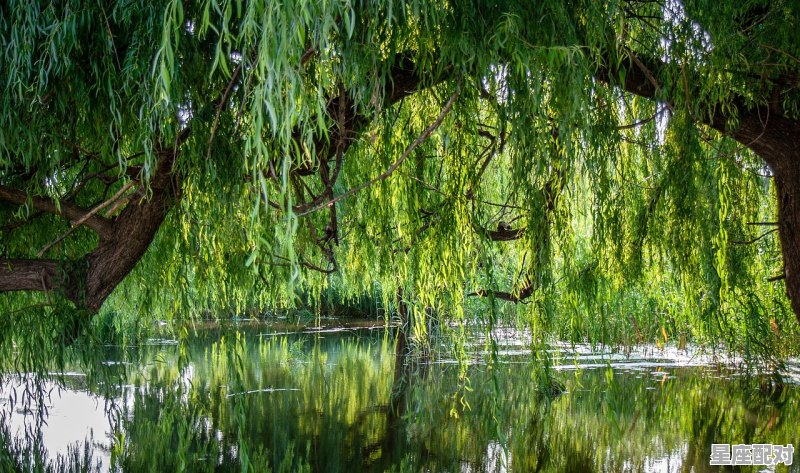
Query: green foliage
{"x": 628, "y": 209}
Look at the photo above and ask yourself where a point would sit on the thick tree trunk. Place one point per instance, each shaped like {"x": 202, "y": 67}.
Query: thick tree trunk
{"x": 777, "y": 140}
{"x": 88, "y": 281}
{"x": 787, "y": 182}
{"x": 134, "y": 230}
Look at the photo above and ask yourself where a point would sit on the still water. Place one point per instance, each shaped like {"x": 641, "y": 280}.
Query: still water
{"x": 329, "y": 399}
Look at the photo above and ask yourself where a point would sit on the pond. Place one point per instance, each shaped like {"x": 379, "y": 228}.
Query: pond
{"x": 329, "y": 399}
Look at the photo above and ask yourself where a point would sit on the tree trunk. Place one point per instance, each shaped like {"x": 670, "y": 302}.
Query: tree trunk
{"x": 134, "y": 230}
{"x": 89, "y": 280}
{"x": 777, "y": 140}
{"x": 29, "y": 275}
{"x": 787, "y": 183}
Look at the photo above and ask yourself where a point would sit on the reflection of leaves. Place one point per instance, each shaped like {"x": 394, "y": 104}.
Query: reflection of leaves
{"x": 297, "y": 349}
{"x": 340, "y": 418}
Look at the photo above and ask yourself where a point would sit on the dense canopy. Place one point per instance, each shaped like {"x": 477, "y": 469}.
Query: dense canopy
{"x": 602, "y": 170}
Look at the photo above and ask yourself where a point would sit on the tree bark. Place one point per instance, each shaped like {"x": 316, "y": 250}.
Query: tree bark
{"x": 101, "y": 225}
{"x": 29, "y": 275}
{"x": 134, "y": 230}
{"x": 788, "y": 186}
{"x": 777, "y": 140}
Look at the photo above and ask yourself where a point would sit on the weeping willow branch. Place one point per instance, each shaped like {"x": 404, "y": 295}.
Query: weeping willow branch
{"x": 420, "y": 139}
{"x": 753, "y": 240}
{"x": 223, "y": 101}
{"x": 552, "y": 189}
{"x": 293, "y": 109}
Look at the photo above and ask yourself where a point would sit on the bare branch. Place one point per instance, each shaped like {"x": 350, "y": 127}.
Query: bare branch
{"x": 302, "y": 263}
{"x": 764, "y": 224}
{"x": 501, "y": 234}
{"x": 643, "y": 122}
{"x": 779, "y": 277}
{"x": 753, "y": 240}
{"x": 515, "y": 297}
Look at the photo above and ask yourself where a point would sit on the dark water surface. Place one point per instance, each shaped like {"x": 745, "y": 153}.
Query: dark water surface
{"x": 330, "y": 400}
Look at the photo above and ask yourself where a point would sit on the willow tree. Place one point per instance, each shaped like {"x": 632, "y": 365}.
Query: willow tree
{"x": 176, "y": 156}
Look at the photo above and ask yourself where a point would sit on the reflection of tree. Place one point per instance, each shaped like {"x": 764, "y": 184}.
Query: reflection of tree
{"x": 410, "y": 369}
{"x": 705, "y": 423}
{"x": 354, "y": 411}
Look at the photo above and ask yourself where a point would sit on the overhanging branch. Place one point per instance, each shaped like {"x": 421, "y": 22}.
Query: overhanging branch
{"x": 100, "y": 225}
{"x": 501, "y": 234}
{"x": 524, "y": 293}
{"x": 420, "y": 139}
{"x": 761, "y": 128}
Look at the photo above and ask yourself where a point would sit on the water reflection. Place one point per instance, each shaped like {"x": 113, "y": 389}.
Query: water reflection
{"x": 332, "y": 401}
{"x": 72, "y": 417}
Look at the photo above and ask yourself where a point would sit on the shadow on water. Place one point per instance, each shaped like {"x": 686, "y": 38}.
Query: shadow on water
{"x": 335, "y": 399}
